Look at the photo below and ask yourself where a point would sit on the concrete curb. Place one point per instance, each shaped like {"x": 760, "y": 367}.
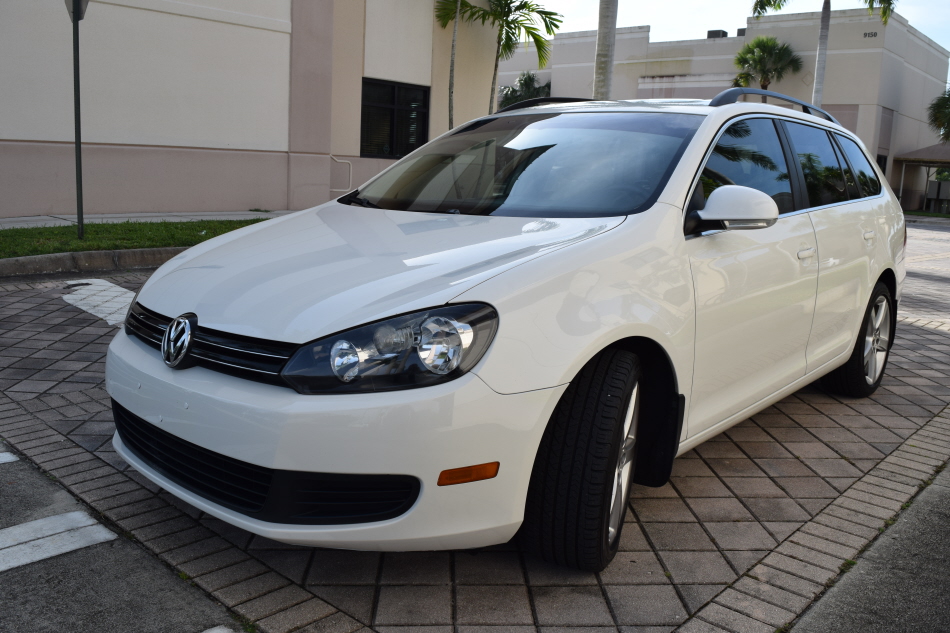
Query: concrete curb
{"x": 923, "y": 219}
{"x": 87, "y": 261}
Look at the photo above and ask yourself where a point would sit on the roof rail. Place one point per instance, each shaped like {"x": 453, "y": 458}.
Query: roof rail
{"x": 527, "y": 103}
{"x": 732, "y": 95}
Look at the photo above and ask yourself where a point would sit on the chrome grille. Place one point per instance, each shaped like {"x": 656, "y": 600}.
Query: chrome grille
{"x": 243, "y": 356}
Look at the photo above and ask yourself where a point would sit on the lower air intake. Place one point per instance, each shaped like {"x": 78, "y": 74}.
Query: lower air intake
{"x": 274, "y": 496}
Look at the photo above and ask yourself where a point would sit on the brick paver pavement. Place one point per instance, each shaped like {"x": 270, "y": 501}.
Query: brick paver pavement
{"x": 752, "y": 525}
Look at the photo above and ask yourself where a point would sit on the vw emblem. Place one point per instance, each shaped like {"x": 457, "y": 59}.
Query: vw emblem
{"x": 177, "y": 341}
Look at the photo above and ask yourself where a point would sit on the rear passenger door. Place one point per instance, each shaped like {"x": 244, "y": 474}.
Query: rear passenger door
{"x": 755, "y": 289}
{"x": 844, "y": 208}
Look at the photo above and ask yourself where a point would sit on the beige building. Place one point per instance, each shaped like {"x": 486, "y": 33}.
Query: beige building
{"x": 878, "y": 83}
{"x": 223, "y": 105}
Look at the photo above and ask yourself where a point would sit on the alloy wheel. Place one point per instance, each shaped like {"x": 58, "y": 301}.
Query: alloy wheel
{"x": 877, "y": 337}
{"x": 622, "y": 478}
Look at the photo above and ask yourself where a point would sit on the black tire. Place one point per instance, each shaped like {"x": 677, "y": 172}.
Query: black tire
{"x": 567, "y": 514}
{"x": 851, "y": 378}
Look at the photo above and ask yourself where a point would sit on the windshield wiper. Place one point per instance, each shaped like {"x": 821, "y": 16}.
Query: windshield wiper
{"x": 354, "y": 198}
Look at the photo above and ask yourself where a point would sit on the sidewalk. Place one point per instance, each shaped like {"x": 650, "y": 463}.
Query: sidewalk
{"x": 92, "y": 218}
{"x": 62, "y": 570}
{"x": 901, "y": 582}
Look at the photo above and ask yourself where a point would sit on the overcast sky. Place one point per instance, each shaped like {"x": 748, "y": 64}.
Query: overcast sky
{"x": 690, "y": 19}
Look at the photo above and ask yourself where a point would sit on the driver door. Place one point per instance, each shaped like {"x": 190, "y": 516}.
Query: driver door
{"x": 754, "y": 289}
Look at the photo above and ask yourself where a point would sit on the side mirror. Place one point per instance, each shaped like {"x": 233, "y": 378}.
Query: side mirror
{"x": 740, "y": 208}
{"x": 732, "y": 207}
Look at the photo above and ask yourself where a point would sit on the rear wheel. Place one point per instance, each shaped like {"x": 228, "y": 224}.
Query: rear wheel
{"x": 862, "y": 374}
{"x": 577, "y": 499}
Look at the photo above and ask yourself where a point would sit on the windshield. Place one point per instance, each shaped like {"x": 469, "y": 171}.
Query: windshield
{"x": 539, "y": 165}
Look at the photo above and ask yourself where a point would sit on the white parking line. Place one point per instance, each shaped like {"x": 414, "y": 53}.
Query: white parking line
{"x": 219, "y": 629}
{"x": 45, "y": 538}
{"x": 101, "y": 298}
{"x": 6, "y": 458}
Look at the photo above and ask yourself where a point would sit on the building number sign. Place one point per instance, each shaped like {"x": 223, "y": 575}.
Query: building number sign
{"x": 871, "y": 34}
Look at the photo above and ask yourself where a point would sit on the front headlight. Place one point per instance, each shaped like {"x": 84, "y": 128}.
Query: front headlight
{"x": 412, "y": 350}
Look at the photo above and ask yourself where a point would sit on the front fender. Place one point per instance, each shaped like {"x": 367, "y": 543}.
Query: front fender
{"x": 558, "y": 312}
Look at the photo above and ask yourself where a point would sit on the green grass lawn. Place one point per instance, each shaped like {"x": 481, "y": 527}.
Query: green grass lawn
{"x": 928, "y": 214}
{"x": 109, "y": 237}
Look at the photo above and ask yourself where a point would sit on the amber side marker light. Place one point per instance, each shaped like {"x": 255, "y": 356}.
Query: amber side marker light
{"x": 468, "y": 473}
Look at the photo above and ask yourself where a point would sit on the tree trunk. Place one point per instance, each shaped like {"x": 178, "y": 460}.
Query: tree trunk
{"x": 494, "y": 77}
{"x": 604, "y": 57}
{"x": 818, "y": 90}
{"x": 455, "y": 34}
{"x": 764, "y": 85}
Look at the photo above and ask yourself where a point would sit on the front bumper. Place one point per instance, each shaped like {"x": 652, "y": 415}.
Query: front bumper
{"x": 418, "y": 432}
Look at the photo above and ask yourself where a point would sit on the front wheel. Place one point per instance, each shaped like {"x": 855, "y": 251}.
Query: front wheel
{"x": 577, "y": 498}
{"x": 862, "y": 374}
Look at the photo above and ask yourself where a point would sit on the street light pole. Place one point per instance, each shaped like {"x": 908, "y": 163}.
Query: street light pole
{"x": 77, "y": 11}
{"x": 78, "y": 125}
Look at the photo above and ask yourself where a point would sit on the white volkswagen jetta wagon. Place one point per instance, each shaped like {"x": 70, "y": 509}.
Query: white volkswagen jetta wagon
{"x": 503, "y": 330}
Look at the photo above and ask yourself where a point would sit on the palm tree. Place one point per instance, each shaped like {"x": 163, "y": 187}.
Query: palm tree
{"x": 604, "y": 57}
{"x": 761, "y": 7}
{"x": 526, "y": 87}
{"x": 442, "y": 14}
{"x": 514, "y": 19}
{"x": 938, "y": 115}
{"x": 765, "y": 60}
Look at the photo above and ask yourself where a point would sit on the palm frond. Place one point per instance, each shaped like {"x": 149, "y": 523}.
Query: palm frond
{"x": 445, "y": 12}
{"x": 475, "y": 13}
{"x": 740, "y": 154}
{"x": 468, "y": 12}
{"x": 761, "y": 7}
{"x": 938, "y": 116}
{"x": 742, "y": 80}
{"x": 521, "y": 20}
{"x": 887, "y": 7}
{"x": 526, "y": 87}
{"x": 765, "y": 60}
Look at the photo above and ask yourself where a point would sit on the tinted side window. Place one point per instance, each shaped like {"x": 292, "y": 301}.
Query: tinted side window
{"x": 824, "y": 180}
{"x": 853, "y": 191}
{"x": 870, "y": 185}
{"x": 749, "y": 154}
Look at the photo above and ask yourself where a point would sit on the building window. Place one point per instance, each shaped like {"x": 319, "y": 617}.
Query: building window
{"x": 394, "y": 120}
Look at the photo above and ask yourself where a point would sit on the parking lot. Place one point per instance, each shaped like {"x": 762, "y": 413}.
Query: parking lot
{"x": 752, "y": 525}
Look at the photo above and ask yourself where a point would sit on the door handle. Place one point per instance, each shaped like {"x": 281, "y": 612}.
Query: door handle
{"x": 869, "y": 235}
{"x": 806, "y": 253}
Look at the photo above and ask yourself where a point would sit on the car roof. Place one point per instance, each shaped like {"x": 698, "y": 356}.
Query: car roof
{"x": 699, "y": 107}
{"x": 685, "y": 106}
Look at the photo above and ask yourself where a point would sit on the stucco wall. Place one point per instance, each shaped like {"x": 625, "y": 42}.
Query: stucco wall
{"x": 398, "y": 43}
{"x": 213, "y": 105}
{"x": 163, "y": 76}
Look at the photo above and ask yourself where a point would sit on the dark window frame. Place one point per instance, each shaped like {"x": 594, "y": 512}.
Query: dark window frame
{"x": 394, "y": 108}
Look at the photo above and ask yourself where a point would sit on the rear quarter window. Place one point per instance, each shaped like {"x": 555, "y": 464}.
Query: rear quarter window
{"x": 864, "y": 173}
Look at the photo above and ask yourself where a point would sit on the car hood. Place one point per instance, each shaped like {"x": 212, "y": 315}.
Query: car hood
{"x": 323, "y": 270}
